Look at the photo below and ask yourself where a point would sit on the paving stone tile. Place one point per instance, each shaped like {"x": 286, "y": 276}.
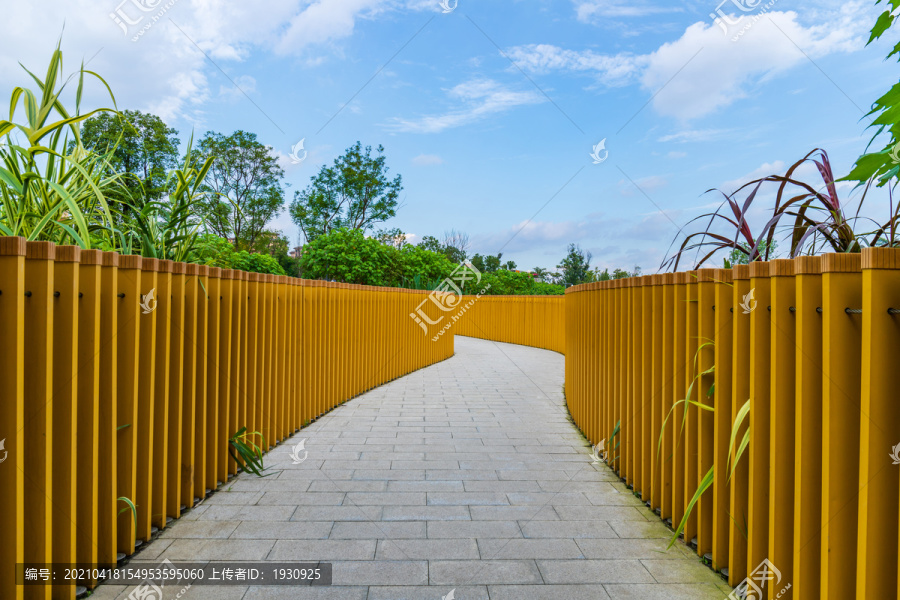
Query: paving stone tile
{"x": 427, "y": 549}
{"x": 593, "y": 571}
{"x": 426, "y": 513}
{"x": 378, "y": 530}
{"x": 567, "y": 529}
{"x": 326, "y": 550}
{"x": 485, "y": 572}
{"x": 469, "y": 592}
{"x": 547, "y": 592}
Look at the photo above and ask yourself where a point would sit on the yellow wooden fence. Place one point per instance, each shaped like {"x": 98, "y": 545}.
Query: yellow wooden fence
{"x": 813, "y": 344}
{"x": 107, "y": 392}
{"x": 538, "y": 321}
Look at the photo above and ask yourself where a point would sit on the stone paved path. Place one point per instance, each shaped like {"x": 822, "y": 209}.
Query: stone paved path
{"x": 466, "y": 476}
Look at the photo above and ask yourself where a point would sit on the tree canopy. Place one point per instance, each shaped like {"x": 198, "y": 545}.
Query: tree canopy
{"x": 354, "y": 193}
{"x": 245, "y": 181}
{"x": 143, "y": 147}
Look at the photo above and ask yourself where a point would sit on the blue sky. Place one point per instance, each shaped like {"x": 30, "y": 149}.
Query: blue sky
{"x": 490, "y": 111}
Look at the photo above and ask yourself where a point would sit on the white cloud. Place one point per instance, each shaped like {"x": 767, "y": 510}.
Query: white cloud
{"x": 674, "y": 154}
{"x": 696, "y": 135}
{"x": 764, "y": 170}
{"x": 590, "y": 10}
{"x": 704, "y": 70}
{"x": 480, "y": 98}
{"x": 427, "y": 160}
{"x": 618, "y": 69}
{"x": 164, "y": 71}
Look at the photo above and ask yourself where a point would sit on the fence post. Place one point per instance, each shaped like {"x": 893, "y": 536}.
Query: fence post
{"x": 107, "y": 457}
{"x": 879, "y": 475}
{"x": 12, "y": 412}
{"x": 654, "y": 403}
{"x": 227, "y": 378}
{"x": 192, "y": 332}
{"x": 64, "y": 406}
{"x": 706, "y": 419}
{"x": 675, "y": 453}
{"x": 740, "y": 393}
{"x": 215, "y": 369}
{"x": 782, "y": 419}
{"x": 658, "y": 445}
{"x": 648, "y": 310}
{"x": 808, "y": 432}
{"x": 38, "y": 400}
{"x": 640, "y": 445}
{"x": 724, "y": 329}
{"x": 88, "y": 412}
{"x": 842, "y": 366}
{"x": 177, "y": 370}
{"x": 128, "y": 338}
{"x": 160, "y": 441}
{"x": 760, "y": 380}
{"x": 145, "y": 403}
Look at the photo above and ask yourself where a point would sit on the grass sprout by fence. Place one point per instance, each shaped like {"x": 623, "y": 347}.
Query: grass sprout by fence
{"x": 246, "y": 453}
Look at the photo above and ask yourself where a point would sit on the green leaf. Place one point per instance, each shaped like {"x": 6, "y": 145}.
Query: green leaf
{"x": 885, "y": 20}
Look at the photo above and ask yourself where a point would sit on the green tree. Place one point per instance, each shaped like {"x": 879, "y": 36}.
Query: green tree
{"x": 348, "y": 256}
{"x": 575, "y": 267}
{"x": 885, "y": 163}
{"x": 353, "y": 193}
{"x": 540, "y": 274}
{"x": 144, "y": 149}
{"x": 245, "y": 184}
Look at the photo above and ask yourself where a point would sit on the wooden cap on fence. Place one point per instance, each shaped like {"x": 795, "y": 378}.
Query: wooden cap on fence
{"x": 215, "y": 272}
{"x": 841, "y": 263}
{"x": 808, "y": 265}
{"x": 739, "y": 272}
{"x": 706, "y": 275}
{"x": 150, "y": 264}
{"x": 129, "y": 261}
{"x": 227, "y": 274}
{"x": 179, "y": 268}
{"x": 91, "y": 257}
{"x": 881, "y": 258}
{"x": 723, "y": 275}
{"x": 202, "y": 270}
{"x": 682, "y": 277}
{"x": 192, "y": 269}
{"x": 12, "y": 246}
{"x": 40, "y": 250}
{"x": 110, "y": 259}
{"x": 165, "y": 266}
{"x": 781, "y": 267}
{"x": 68, "y": 254}
{"x": 759, "y": 268}
{"x": 668, "y": 278}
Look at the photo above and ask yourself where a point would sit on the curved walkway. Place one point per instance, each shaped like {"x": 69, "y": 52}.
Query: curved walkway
{"x": 467, "y": 476}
